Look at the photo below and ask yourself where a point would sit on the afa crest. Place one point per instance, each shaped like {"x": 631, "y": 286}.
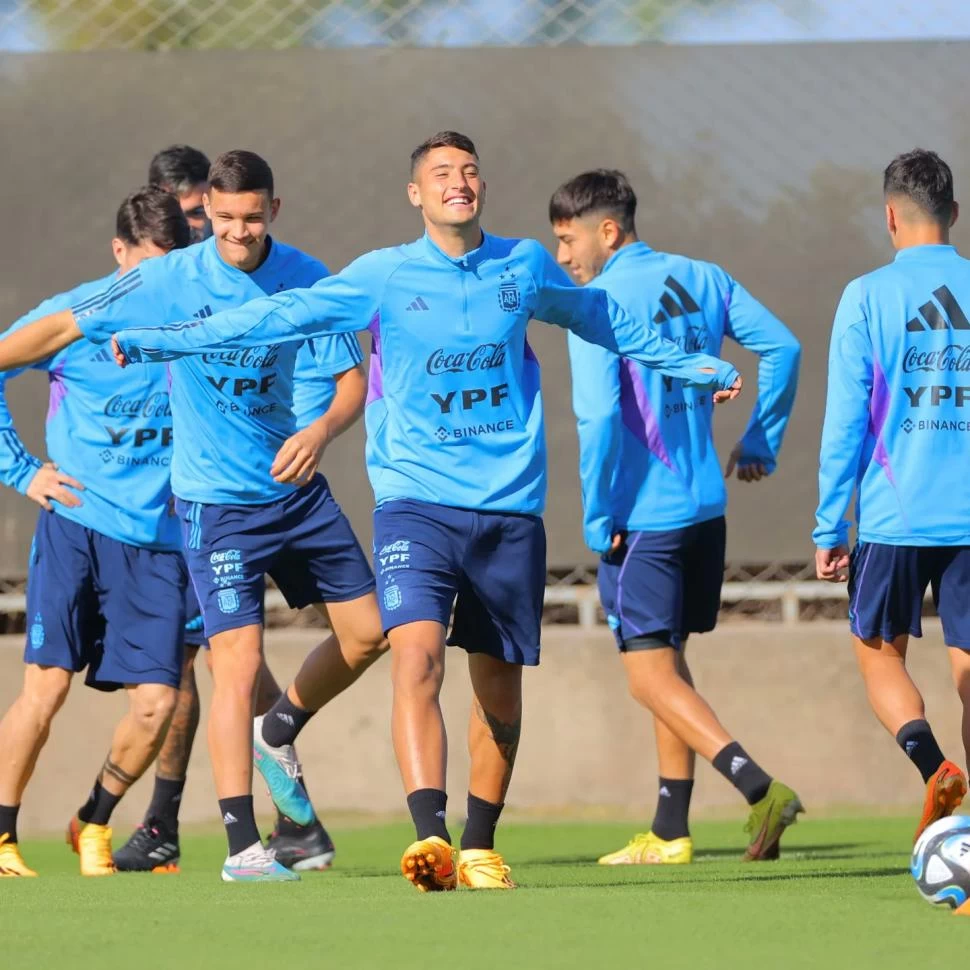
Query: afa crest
{"x": 509, "y": 297}
{"x": 228, "y": 600}
{"x": 393, "y": 598}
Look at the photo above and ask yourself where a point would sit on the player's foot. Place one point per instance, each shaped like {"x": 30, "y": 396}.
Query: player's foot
{"x": 483, "y": 869}
{"x": 281, "y": 772}
{"x": 430, "y": 865}
{"x": 302, "y": 848}
{"x": 944, "y": 793}
{"x": 93, "y": 844}
{"x": 153, "y": 847}
{"x": 256, "y": 864}
{"x": 649, "y": 849}
{"x": 768, "y": 820}
{"x": 11, "y": 861}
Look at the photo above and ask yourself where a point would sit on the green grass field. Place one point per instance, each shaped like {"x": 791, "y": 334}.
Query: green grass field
{"x": 841, "y": 897}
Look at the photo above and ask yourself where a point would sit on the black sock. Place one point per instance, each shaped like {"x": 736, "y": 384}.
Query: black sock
{"x": 746, "y": 775}
{"x": 673, "y": 806}
{"x": 99, "y": 806}
{"x": 8, "y": 822}
{"x": 427, "y": 807}
{"x": 284, "y": 721}
{"x": 240, "y": 822}
{"x": 480, "y": 828}
{"x": 166, "y": 802}
{"x": 916, "y": 739}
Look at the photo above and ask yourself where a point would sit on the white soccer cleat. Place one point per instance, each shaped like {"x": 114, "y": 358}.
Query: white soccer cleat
{"x": 256, "y": 864}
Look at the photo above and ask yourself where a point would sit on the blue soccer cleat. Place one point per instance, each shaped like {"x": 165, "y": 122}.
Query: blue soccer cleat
{"x": 281, "y": 772}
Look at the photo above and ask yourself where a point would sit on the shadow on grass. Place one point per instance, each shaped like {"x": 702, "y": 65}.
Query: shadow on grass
{"x": 832, "y": 850}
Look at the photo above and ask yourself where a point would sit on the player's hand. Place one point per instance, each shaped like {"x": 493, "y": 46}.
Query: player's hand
{"x": 748, "y": 472}
{"x": 617, "y": 542}
{"x": 832, "y": 565}
{"x": 296, "y": 461}
{"x": 48, "y": 485}
{"x": 731, "y": 393}
{"x": 119, "y": 355}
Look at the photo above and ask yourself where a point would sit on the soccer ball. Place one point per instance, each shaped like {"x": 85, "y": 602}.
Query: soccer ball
{"x": 941, "y": 862}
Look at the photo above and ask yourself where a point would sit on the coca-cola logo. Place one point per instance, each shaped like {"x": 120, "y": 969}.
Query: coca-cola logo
{"x": 250, "y": 357}
{"x": 694, "y": 341}
{"x": 154, "y": 406}
{"x": 952, "y": 359}
{"x": 483, "y": 357}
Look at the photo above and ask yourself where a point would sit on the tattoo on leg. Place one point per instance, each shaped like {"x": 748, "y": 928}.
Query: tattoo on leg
{"x": 173, "y": 759}
{"x": 506, "y": 738}
{"x": 119, "y": 775}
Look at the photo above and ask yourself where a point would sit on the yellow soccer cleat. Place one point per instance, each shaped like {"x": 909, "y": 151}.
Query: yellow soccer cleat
{"x": 430, "y": 865}
{"x": 650, "y": 850}
{"x": 483, "y": 869}
{"x": 11, "y": 861}
{"x": 93, "y": 844}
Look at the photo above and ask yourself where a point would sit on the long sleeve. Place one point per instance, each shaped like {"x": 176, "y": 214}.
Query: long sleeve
{"x": 344, "y": 303}
{"x": 596, "y": 317}
{"x": 846, "y": 420}
{"x": 596, "y": 403}
{"x": 756, "y": 329}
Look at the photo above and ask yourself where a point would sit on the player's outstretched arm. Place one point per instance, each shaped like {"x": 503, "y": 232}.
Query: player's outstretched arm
{"x": 38, "y": 340}
{"x": 300, "y": 454}
{"x": 344, "y": 303}
{"x": 596, "y": 404}
{"x": 757, "y": 329}
{"x": 845, "y": 426}
{"x": 595, "y": 316}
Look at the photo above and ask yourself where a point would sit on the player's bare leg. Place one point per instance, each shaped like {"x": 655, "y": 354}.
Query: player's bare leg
{"x": 898, "y": 704}
{"x": 421, "y": 748}
{"x": 493, "y": 740}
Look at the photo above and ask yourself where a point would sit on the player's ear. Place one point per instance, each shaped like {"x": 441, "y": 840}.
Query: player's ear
{"x": 207, "y": 205}
{"x": 118, "y": 250}
{"x": 274, "y": 209}
{"x": 890, "y": 219}
{"x": 414, "y": 195}
{"x": 955, "y": 214}
{"x": 609, "y": 233}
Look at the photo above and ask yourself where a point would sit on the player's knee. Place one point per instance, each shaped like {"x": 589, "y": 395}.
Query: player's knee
{"x": 152, "y": 709}
{"x": 417, "y": 671}
{"x": 44, "y": 693}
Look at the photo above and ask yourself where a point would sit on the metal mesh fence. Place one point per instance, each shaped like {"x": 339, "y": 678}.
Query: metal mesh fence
{"x": 28, "y": 25}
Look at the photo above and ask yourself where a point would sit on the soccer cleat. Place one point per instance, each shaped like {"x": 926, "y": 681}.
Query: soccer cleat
{"x": 302, "y": 848}
{"x": 650, "y": 849}
{"x": 430, "y": 865}
{"x": 93, "y": 844}
{"x": 151, "y": 848}
{"x": 768, "y": 820}
{"x": 483, "y": 869}
{"x": 281, "y": 772}
{"x": 11, "y": 861}
{"x": 944, "y": 793}
{"x": 256, "y": 864}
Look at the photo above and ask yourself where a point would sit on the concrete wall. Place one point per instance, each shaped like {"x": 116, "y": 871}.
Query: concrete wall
{"x": 794, "y": 699}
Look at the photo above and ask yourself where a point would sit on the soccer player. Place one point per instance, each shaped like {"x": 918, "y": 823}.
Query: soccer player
{"x": 154, "y": 845}
{"x": 106, "y": 575}
{"x": 184, "y": 171}
{"x": 896, "y": 434}
{"x": 456, "y": 457}
{"x": 247, "y": 489}
{"x": 654, "y": 497}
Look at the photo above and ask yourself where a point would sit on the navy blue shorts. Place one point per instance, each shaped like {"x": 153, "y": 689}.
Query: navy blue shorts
{"x": 194, "y": 632}
{"x": 659, "y": 587}
{"x": 887, "y": 585}
{"x": 303, "y": 541}
{"x": 494, "y": 563}
{"x": 95, "y": 602}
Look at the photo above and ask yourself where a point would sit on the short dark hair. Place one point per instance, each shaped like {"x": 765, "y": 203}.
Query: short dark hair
{"x": 443, "y": 139}
{"x": 600, "y": 190}
{"x": 925, "y": 179}
{"x": 179, "y": 168}
{"x": 241, "y": 171}
{"x": 152, "y": 214}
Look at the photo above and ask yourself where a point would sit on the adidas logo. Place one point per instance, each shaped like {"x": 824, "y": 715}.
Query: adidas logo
{"x": 737, "y": 763}
{"x": 229, "y": 818}
{"x": 911, "y": 746}
{"x": 929, "y": 316}
{"x": 206, "y": 311}
{"x": 664, "y": 792}
{"x": 671, "y": 308}
{"x": 418, "y": 304}
{"x": 440, "y": 815}
{"x": 286, "y": 718}
{"x": 103, "y": 356}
